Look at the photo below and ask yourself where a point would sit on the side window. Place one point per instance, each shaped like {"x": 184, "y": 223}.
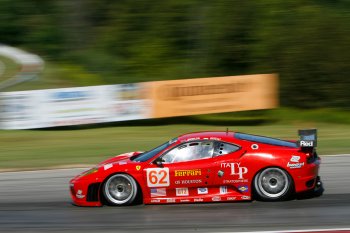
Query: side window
{"x": 190, "y": 151}
{"x": 223, "y": 148}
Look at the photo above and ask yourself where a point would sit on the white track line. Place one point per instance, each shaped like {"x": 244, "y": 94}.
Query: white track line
{"x": 296, "y": 231}
{"x": 336, "y": 155}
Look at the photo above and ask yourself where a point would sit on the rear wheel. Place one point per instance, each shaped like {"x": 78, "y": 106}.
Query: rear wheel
{"x": 120, "y": 189}
{"x": 273, "y": 184}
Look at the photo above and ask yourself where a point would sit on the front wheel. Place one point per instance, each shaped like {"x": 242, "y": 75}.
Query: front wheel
{"x": 273, "y": 184}
{"x": 120, "y": 189}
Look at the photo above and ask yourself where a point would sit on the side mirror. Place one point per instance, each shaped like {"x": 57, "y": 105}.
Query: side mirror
{"x": 159, "y": 162}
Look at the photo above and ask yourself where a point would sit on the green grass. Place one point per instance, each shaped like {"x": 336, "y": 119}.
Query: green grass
{"x": 27, "y": 149}
{"x": 8, "y": 68}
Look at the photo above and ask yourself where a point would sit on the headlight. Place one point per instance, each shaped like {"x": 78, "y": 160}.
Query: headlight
{"x": 89, "y": 172}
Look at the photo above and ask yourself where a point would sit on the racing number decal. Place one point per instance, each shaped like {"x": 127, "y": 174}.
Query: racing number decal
{"x": 158, "y": 177}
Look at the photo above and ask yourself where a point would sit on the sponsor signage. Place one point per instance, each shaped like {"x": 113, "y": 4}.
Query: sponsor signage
{"x": 182, "y": 192}
{"x": 193, "y": 172}
{"x": 294, "y": 162}
{"x": 223, "y": 189}
{"x": 213, "y": 95}
{"x": 236, "y": 169}
{"x": 243, "y": 188}
{"x": 202, "y": 190}
{"x": 80, "y": 194}
{"x": 108, "y": 103}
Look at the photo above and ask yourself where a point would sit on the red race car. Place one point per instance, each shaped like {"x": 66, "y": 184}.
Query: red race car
{"x": 204, "y": 167}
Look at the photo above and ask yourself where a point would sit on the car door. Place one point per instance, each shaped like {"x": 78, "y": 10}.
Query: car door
{"x": 229, "y": 169}
{"x": 185, "y": 168}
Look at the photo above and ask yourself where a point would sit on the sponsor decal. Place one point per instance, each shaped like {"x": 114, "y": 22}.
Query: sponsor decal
{"x": 70, "y": 95}
{"x": 216, "y": 198}
{"x": 157, "y": 177}
{"x": 214, "y": 138}
{"x": 198, "y": 200}
{"x": 107, "y": 166}
{"x": 193, "y": 139}
{"x": 188, "y": 181}
{"x": 193, "y": 172}
{"x": 223, "y": 189}
{"x": 295, "y": 159}
{"x": 295, "y": 165}
{"x": 202, "y": 190}
{"x": 155, "y": 201}
{"x": 185, "y": 200}
{"x": 243, "y": 188}
{"x": 294, "y": 162}
{"x": 158, "y": 192}
{"x": 231, "y": 198}
{"x": 80, "y": 194}
{"x": 138, "y": 167}
{"x": 221, "y": 173}
{"x": 181, "y": 192}
{"x": 122, "y": 163}
{"x": 245, "y": 197}
{"x": 236, "y": 169}
{"x": 235, "y": 181}
{"x": 306, "y": 143}
{"x": 170, "y": 200}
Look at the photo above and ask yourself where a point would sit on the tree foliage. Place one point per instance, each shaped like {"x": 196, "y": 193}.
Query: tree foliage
{"x": 305, "y": 42}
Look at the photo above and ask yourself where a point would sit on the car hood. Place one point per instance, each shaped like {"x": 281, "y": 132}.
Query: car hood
{"x": 122, "y": 158}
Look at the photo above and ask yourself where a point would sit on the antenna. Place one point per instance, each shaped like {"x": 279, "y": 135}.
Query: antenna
{"x": 226, "y": 131}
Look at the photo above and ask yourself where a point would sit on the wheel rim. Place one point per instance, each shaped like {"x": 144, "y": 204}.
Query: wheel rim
{"x": 273, "y": 182}
{"x": 119, "y": 189}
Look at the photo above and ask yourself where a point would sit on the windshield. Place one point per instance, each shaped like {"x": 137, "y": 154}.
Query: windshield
{"x": 265, "y": 140}
{"x": 150, "y": 154}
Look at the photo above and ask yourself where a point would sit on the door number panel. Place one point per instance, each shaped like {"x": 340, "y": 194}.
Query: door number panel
{"x": 158, "y": 177}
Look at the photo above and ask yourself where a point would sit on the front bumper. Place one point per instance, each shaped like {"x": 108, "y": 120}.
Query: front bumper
{"x": 84, "y": 193}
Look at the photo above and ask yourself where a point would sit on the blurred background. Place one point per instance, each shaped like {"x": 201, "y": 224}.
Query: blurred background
{"x": 97, "y": 42}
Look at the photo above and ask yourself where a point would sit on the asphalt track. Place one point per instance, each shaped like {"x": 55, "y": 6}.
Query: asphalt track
{"x": 39, "y": 202}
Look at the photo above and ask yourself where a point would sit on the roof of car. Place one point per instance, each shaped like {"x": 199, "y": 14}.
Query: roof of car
{"x": 206, "y": 135}
{"x": 230, "y": 136}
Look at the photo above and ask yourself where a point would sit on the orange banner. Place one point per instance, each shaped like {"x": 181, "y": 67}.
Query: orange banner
{"x": 214, "y": 95}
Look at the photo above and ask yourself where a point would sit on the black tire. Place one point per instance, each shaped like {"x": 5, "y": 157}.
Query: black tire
{"x": 120, "y": 189}
{"x": 273, "y": 184}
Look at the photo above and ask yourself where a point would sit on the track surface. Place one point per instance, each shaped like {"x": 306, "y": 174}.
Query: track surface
{"x": 39, "y": 202}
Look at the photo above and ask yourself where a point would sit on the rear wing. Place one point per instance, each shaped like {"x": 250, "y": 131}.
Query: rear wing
{"x": 308, "y": 138}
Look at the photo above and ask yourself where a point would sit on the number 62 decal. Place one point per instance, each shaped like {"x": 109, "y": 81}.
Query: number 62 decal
{"x": 158, "y": 177}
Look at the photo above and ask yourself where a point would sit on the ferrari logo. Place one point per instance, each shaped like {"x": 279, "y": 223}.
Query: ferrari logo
{"x": 138, "y": 167}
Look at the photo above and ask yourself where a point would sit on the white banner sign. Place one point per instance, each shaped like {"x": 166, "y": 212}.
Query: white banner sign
{"x": 73, "y": 106}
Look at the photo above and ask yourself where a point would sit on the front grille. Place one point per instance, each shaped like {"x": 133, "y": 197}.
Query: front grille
{"x": 92, "y": 193}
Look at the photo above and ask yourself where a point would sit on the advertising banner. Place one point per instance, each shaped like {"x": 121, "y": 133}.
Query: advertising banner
{"x": 73, "y": 106}
{"x": 214, "y": 95}
{"x": 109, "y": 103}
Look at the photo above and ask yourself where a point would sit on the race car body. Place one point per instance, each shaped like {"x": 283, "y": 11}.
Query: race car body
{"x": 204, "y": 167}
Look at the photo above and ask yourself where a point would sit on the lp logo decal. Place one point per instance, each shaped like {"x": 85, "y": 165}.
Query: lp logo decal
{"x": 236, "y": 169}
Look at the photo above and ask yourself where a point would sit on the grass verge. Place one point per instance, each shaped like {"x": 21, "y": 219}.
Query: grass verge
{"x": 27, "y": 149}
